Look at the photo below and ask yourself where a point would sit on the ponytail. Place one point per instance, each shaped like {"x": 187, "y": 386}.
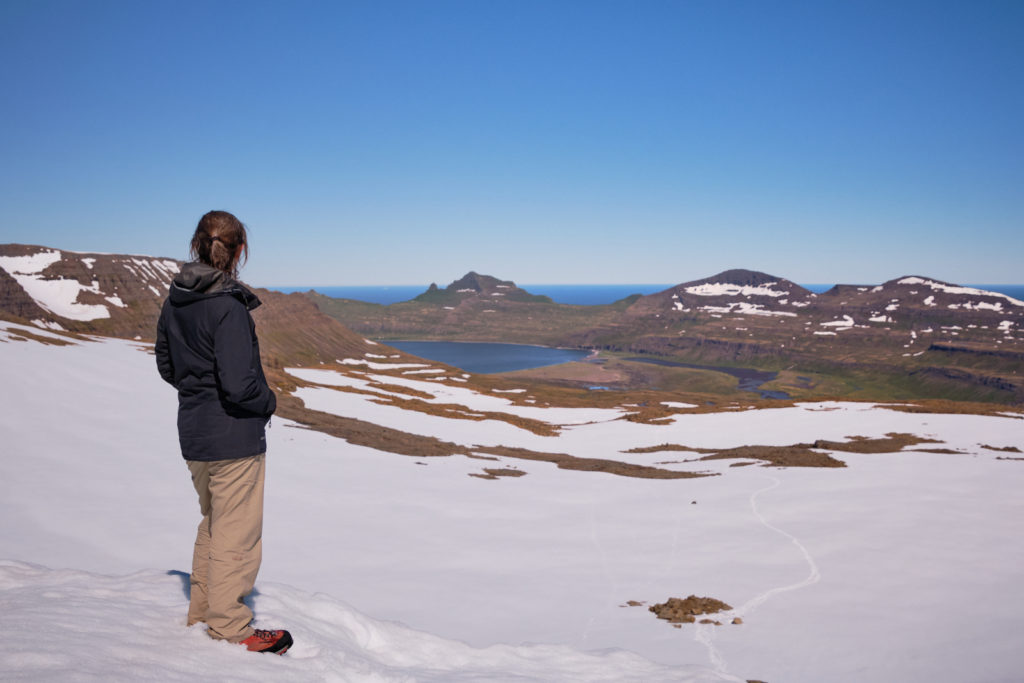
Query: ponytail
{"x": 217, "y": 240}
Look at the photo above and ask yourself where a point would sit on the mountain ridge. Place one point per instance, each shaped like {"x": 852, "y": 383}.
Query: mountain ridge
{"x": 120, "y": 295}
{"x": 925, "y": 337}
{"x": 921, "y": 336}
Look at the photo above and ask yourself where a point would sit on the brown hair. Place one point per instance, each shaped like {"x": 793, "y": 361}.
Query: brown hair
{"x": 217, "y": 239}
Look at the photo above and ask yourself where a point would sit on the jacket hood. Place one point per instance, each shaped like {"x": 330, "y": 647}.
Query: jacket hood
{"x": 198, "y": 281}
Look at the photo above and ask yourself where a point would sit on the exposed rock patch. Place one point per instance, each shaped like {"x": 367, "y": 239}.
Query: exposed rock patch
{"x": 494, "y": 473}
{"x": 1004, "y": 449}
{"x": 779, "y": 456}
{"x": 686, "y": 611}
{"x": 891, "y": 443}
{"x": 804, "y": 454}
{"x": 569, "y": 462}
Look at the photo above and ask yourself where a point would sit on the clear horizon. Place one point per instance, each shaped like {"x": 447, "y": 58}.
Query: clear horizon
{"x": 574, "y": 294}
{"x": 548, "y": 141}
{"x": 615, "y": 284}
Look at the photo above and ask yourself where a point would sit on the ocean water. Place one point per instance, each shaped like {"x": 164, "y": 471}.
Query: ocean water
{"x": 580, "y": 295}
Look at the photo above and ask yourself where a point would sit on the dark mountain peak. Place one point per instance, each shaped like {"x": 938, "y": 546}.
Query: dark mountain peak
{"x": 474, "y": 286}
{"x": 474, "y": 282}
{"x": 743, "y": 282}
{"x": 739, "y": 291}
{"x": 738, "y": 276}
{"x": 917, "y": 281}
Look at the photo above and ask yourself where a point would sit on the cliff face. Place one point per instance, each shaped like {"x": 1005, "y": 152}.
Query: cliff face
{"x": 15, "y": 301}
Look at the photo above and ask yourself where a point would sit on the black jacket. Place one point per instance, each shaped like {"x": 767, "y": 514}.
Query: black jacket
{"x": 206, "y": 347}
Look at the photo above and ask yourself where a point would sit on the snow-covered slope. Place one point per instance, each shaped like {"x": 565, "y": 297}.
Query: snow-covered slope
{"x": 69, "y": 625}
{"x": 869, "y": 572}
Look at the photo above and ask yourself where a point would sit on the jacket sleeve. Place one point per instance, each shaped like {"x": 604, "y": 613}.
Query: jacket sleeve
{"x": 163, "y": 354}
{"x": 238, "y": 365}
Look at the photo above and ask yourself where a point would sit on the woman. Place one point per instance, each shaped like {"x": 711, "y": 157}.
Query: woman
{"x": 206, "y": 348}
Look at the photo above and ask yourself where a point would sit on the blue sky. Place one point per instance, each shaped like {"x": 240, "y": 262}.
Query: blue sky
{"x": 546, "y": 142}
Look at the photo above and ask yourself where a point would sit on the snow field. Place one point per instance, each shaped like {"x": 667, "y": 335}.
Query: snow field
{"x": 449, "y": 394}
{"x": 919, "y": 578}
{"x": 599, "y": 433}
{"x": 130, "y": 628}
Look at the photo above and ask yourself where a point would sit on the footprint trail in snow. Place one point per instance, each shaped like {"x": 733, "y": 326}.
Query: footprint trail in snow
{"x": 705, "y": 633}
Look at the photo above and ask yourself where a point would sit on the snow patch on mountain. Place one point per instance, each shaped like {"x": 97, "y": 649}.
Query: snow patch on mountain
{"x": 746, "y": 308}
{"x": 380, "y": 366}
{"x": 58, "y": 296}
{"x": 954, "y": 289}
{"x": 31, "y": 264}
{"x": 729, "y": 289}
{"x": 844, "y": 324}
{"x": 978, "y": 306}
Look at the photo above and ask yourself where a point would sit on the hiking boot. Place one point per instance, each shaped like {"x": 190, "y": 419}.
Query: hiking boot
{"x": 277, "y": 642}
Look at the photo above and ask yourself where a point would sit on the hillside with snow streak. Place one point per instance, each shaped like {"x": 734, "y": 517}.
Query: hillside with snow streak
{"x": 110, "y": 294}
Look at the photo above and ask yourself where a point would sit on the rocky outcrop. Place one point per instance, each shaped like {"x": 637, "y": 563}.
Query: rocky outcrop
{"x": 475, "y": 287}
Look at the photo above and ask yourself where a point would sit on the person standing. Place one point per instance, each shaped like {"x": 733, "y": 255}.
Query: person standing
{"x": 206, "y": 348}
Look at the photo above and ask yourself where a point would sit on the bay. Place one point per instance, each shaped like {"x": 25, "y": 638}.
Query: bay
{"x": 488, "y": 357}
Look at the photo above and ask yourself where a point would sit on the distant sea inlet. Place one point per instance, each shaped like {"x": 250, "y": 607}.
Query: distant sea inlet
{"x": 579, "y": 295}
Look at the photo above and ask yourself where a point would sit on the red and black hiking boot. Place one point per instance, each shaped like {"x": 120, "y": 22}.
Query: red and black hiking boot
{"x": 277, "y": 642}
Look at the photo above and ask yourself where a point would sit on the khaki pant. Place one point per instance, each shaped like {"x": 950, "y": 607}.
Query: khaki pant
{"x": 229, "y": 544}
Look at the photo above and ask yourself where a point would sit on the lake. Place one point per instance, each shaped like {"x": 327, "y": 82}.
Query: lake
{"x": 488, "y": 357}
